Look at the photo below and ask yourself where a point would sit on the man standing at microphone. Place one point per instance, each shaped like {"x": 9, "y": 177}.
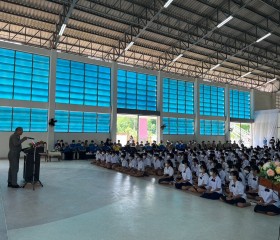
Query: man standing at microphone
{"x": 13, "y": 156}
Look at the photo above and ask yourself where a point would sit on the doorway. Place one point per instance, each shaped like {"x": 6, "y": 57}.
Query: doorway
{"x": 141, "y": 128}
{"x": 241, "y": 133}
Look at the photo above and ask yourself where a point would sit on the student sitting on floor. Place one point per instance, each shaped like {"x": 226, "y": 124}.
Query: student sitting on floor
{"x": 168, "y": 173}
{"x": 140, "y": 168}
{"x": 203, "y": 180}
{"x": 186, "y": 180}
{"x": 269, "y": 202}
{"x": 124, "y": 164}
{"x": 236, "y": 194}
{"x": 253, "y": 183}
{"x": 108, "y": 160}
{"x": 214, "y": 188}
{"x": 97, "y": 157}
{"x": 114, "y": 160}
{"x": 102, "y": 161}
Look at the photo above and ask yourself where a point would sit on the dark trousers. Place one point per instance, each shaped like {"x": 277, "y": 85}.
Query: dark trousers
{"x": 212, "y": 196}
{"x": 233, "y": 201}
{"x": 180, "y": 185}
{"x": 166, "y": 179}
{"x": 266, "y": 209}
{"x": 14, "y": 167}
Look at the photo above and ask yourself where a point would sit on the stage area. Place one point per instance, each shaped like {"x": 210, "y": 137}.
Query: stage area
{"x": 85, "y": 202}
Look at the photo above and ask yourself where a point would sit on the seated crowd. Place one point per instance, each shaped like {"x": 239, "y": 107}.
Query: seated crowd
{"x": 219, "y": 171}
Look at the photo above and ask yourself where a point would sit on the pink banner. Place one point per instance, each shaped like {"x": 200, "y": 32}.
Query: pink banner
{"x": 143, "y": 129}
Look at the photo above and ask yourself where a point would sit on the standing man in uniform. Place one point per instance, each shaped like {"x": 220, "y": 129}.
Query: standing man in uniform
{"x": 13, "y": 156}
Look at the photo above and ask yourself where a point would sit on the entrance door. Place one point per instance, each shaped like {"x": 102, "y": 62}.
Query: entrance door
{"x": 141, "y": 128}
{"x": 241, "y": 133}
{"x": 147, "y": 129}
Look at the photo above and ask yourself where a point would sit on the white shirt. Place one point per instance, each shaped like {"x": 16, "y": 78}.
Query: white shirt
{"x": 222, "y": 176}
{"x": 187, "y": 175}
{"x": 102, "y": 157}
{"x": 157, "y": 164}
{"x": 108, "y": 158}
{"x": 124, "y": 163}
{"x": 242, "y": 178}
{"x": 168, "y": 171}
{"x": 269, "y": 196}
{"x": 133, "y": 163}
{"x": 114, "y": 159}
{"x": 237, "y": 188}
{"x": 203, "y": 179}
{"x": 147, "y": 162}
{"x": 214, "y": 184}
{"x": 97, "y": 156}
{"x": 181, "y": 167}
{"x": 253, "y": 182}
{"x": 141, "y": 166}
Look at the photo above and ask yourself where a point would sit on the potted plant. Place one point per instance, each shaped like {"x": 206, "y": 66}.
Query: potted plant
{"x": 270, "y": 175}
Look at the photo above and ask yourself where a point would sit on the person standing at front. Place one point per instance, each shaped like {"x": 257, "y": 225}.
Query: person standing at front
{"x": 13, "y": 156}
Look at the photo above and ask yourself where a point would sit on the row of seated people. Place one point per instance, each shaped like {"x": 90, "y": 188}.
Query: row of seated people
{"x": 78, "y": 150}
{"x": 232, "y": 178}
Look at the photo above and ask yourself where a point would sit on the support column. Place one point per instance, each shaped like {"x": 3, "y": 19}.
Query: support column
{"x": 52, "y": 86}
{"x": 159, "y": 106}
{"x": 196, "y": 110}
{"x": 227, "y": 113}
{"x": 252, "y": 96}
{"x": 114, "y": 100}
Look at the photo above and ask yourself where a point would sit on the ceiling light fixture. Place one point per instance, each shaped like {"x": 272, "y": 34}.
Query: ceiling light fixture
{"x": 166, "y": 5}
{"x": 18, "y": 43}
{"x": 129, "y": 46}
{"x": 216, "y": 66}
{"x": 62, "y": 29}
{"x": 246, "y": 74}
{"x": 272, "y": 80}
{"x": 179, "y": 56}
{"x": 224, "y": 22}
{"x": 262, "y": 38}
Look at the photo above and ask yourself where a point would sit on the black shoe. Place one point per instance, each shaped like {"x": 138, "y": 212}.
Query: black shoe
{"x": 16, "y": 186}
{"x": 9, "y": 185}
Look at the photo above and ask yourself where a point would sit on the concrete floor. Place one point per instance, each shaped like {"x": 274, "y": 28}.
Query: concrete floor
{"x": 84, "y": 202}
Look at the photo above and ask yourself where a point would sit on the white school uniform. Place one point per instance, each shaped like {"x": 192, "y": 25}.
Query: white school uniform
{"x": 173, "y": 162}
{"x": 97, "y": 156}
{"x": 124, "y": 163}
{"x": 181, "y": 167}
{"x": 187, "y": 175}
{"x": 203, "y": 179}
{"x": 108, "y": 158}
{"x": 102, "y": 157}
{"x": 214, "y": 184}
{"x": 245, "y": 163}
{"x": 133, "y": 163}
{"x": 269, "y": 196}
{"x": 237, "y": 188}
{"x": 222, "y": 176}
{"x": 169, "y": 171}
{"x": 141, "y": 166}
{"x": 253, "y": 182}
{"x": 147, "y": 162}
{"x": 242, "y": 178}
{"x": 157, "y": 164}
{"x": 114, "y": 159}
